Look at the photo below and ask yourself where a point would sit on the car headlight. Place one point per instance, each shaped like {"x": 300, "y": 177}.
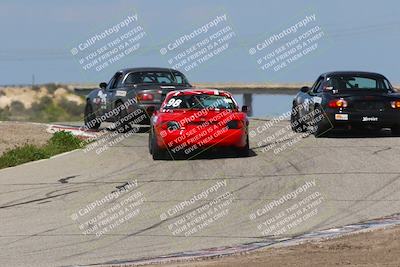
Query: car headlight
{"x": 171, "y": 125}
{"x": 235, "y": 124}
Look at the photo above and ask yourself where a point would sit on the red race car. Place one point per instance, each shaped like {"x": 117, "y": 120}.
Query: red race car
{"x": 193, "y": 120}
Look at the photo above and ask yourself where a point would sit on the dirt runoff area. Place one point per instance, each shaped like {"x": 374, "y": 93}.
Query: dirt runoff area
{"x": 13, "y": 134}
{"x": 377, "y": 248}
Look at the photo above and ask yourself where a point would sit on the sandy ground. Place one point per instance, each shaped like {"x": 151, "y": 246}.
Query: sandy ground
{"x": 14, "y": 134}
{"x": 377, "y": 248}
{"x": 27, "y": 96}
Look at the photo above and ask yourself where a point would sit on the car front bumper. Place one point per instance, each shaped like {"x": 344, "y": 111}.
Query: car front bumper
{"x": 223, "y": 137}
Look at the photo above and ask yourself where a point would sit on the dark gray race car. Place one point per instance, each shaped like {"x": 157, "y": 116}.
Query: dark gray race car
{"x": 347, "y": 100}
{"x": 131, "y": 95}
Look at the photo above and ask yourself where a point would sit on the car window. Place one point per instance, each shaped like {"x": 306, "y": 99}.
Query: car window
{"x": 317, "y": 85}
{"x": 114, "y": 81}
{"x": 358, "y": 82}
{"x": 179, "y": 79}
{"x": 111, "y": 82}
{"x": 201, "y": 101}
{"x": 119, "y": 81}
{"x": 155, "y": 77}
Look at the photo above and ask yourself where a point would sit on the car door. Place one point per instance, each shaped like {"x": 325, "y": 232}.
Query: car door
{"x": 313, "y": 97}
{"x": 111, "y": 91}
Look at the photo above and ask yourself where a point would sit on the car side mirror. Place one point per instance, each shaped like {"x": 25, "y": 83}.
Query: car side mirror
{"x": 245, "y": 109}
{"x": 305, "y": 89}
{"x": 103, "y": 85}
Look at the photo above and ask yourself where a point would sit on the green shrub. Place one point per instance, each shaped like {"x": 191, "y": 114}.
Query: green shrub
{"x": 21, "y": 155}
{"x": 51, "y": 87}
{"x": 60, "y": 142}
{"x": 17, "y": 106}
{"x": 72, "y": 108}
{"x": 64, "y": 141}
{"x": 5, "y": 114}
{"x": 47, "y": 111}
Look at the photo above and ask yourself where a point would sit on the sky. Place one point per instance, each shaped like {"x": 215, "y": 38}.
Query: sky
{"x": 37, "y": 38}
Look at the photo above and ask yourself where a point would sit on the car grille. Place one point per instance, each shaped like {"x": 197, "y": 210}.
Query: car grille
{"x": 203, "y": 122}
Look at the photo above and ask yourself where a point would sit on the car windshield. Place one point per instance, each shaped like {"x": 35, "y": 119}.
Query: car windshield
{"x": 201, "y": 101}
{"x": 358, "y": 82}
{"x": 155, "y": 77}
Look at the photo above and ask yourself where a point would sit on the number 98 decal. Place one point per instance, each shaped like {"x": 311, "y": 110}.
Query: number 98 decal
{"x": 174, "y": 102}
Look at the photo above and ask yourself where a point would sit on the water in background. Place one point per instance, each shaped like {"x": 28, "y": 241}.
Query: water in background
{"x": 266, "y": 105}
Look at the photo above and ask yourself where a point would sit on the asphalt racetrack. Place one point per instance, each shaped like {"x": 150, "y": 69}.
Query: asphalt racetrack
{"x": 290, "y": 184}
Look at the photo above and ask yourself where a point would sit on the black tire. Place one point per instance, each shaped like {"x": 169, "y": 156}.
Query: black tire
{"x": 295, "y": 123}
{"x": 124, "y": 126}
{"x": 320, "y": 126}
{"x": 151, "y": 142}
{"x": 396, "y": 130}
{"x": 90, "y": 118}
{"x": 156, "y": 151}
{"x": 244, "y": 151}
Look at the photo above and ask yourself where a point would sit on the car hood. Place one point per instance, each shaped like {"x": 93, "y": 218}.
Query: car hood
{"x": 185, "y": 116}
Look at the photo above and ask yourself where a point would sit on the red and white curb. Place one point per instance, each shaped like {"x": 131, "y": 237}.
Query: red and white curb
{"x": 319, "y": 235}
{"x": 78, "y": 131}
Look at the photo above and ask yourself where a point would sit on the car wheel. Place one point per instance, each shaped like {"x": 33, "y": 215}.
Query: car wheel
{"x": 244, "y": 151}
{"x": 156, "y": 151}
{"x": 320, "y": 128}
{"x": 295, "y": 123}
{"x": 122, "y": 126}
{"x": 396, "y": 130}
{"x": 90, "y": 118}
{"x": 150, "y": 142}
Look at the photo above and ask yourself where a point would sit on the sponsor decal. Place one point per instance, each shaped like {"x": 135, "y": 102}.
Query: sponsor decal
{"x": 317, "y": 99}
{"x": 120, "y": 93}
{"x": 103, "y": 99}
{"x": 370, "y": 119}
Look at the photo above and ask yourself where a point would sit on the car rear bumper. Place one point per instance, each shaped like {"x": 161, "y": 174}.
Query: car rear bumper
{"x": 382, "y": 119}
{"x": 145, "y": 111}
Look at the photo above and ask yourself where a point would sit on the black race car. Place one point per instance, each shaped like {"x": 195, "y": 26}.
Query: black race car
{"x": 132, "y": 94}
{"x": 347, "y": 100}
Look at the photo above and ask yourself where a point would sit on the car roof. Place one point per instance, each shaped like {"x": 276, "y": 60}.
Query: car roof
{"x": 127, "y": 70}
{"x": 366, "y": 73}
{"x": 200, "y": 91}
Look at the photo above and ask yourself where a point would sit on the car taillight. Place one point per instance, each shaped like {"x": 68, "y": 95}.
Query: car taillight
{"x": 235, "y": 124}
{"x": 395, "y": 104}
{"x": 337, "y": 103}
{"x": 145, "y": 97}
{"x": 170, "y": 125}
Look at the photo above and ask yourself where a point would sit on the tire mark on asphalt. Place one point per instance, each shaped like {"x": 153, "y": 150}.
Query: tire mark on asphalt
{"x": 36, "y": 200}
{"x": 25, "y": 189}
{"x": 294, "y": 166}
{"x": 230, "y": 177}
{"x": 40, "y": 234}
{"x": 34, "y": 194}
{"x": 381, "y": 150}
{"x": 153, "y": 226}
{"x": 354, "y": 209}
{"x": 65, "y": 180}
